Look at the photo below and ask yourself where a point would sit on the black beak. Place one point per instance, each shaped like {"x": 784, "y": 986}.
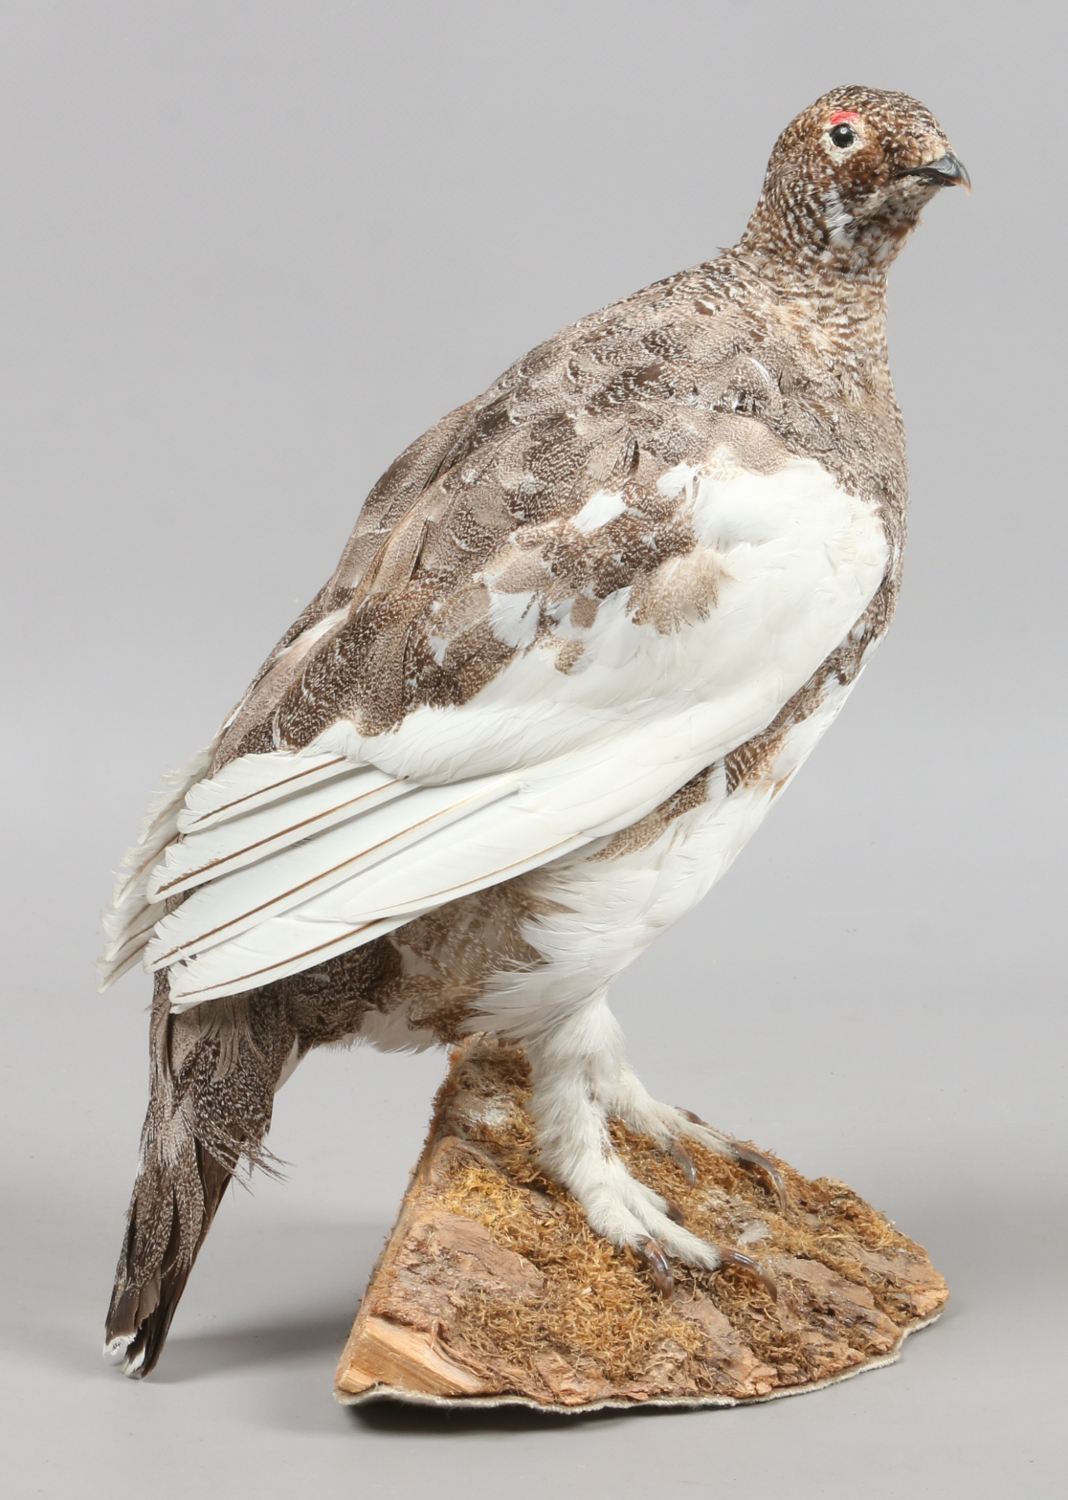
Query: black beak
{"x": 945, "y": 171}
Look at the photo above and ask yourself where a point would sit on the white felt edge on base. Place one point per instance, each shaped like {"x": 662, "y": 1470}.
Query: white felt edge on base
{"x": 419, "y": 1398}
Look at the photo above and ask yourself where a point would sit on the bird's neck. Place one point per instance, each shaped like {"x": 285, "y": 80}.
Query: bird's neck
{"x": 844, "y": 306}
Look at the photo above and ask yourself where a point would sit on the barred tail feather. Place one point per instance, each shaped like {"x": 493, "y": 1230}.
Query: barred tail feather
{"x": 214, "y": 1073}
{"x": 166, "y": 1226}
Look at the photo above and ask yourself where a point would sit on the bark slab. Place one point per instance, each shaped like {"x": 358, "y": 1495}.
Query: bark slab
{"x": 492, "y": 1289}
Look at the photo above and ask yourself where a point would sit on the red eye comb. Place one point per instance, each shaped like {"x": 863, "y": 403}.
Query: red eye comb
{"x": 843, "y": 116}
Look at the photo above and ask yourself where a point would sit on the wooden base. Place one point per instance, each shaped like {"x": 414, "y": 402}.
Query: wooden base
{"x": 493, "y": 1290}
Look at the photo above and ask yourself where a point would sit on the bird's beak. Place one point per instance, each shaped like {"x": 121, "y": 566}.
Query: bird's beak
{"x": 944, "y": 171}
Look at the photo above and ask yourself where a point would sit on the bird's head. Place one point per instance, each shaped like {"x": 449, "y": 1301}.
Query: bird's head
{"x": 848, "y": 179}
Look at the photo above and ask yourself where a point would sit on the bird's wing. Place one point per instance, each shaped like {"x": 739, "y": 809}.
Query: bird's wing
{"x": 289, "y": 857}
{"x": 427, "y": 846}
{"x": 557, "y": 610}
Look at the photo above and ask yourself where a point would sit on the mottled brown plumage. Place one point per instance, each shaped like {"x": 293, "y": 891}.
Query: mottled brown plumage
{"x": 788, "y": 327}
{"x": 773, "y": 352}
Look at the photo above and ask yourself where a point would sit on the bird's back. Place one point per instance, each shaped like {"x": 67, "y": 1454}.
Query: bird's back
{"x": 709, "y": 357}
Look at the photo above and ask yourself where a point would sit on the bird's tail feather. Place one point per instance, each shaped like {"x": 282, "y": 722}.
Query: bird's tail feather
{"x": 214, "y": 1072}
{"x": 164, "y": 1232}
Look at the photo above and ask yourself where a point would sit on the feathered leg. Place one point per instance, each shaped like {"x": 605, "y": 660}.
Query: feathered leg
{"x": 580, "y": 1078}
{"x": 214, "y": 1071}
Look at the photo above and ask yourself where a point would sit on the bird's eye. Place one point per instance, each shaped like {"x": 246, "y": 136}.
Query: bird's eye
{"x": 842, "y": 136}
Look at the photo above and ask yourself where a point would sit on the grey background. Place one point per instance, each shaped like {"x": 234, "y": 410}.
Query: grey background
{"x": 248, "y": 251}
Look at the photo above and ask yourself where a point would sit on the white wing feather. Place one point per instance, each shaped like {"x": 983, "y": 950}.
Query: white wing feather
{"x": 129, "y": 920}
{"x": 222, "y": 847}
{"x": 240, "y": 788}
{"x": 229, "y": 905}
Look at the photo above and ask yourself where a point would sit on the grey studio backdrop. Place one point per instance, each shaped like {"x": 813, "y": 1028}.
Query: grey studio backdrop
{"x": 250, "y": 250}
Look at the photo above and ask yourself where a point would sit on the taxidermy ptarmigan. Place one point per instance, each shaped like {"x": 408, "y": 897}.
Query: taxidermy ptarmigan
{"x": 585, "y": 631}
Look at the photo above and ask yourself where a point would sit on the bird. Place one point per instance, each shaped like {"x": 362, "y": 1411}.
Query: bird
{"x": 585, "y": 631}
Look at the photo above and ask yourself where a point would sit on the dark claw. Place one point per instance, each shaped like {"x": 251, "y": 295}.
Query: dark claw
{"x": 684, "y": 1161}
{"x": 756, "y": 1159}
{"x": 656, "y": 1263}
{"x": 674, "y": 1213}
{"x": 745, "y": 1263}
{"x": 748, "y": 1155}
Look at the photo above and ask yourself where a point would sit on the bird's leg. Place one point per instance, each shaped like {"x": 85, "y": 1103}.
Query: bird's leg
{"x": 575, "y": 1062}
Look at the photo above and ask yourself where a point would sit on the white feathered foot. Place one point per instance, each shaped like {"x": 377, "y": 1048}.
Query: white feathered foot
{"x": 580, "y": 1080}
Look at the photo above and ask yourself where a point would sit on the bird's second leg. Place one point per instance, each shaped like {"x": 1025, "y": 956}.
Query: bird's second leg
{"x": 576, "y": 1065}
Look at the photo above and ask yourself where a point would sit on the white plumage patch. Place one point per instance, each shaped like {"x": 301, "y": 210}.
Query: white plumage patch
{"x": 599, "y": 509}
{"x": 514, "y": 618}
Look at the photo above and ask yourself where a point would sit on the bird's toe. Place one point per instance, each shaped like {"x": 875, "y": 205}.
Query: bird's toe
{"x": 656, "y": 1264}
{"x": 674, "y": 1241}
{"x": 724, "y": 1145}
{"x": 683, "y": 1160}
{"x": 752, "y": 1268}
{"x": 758, "y": 1159}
